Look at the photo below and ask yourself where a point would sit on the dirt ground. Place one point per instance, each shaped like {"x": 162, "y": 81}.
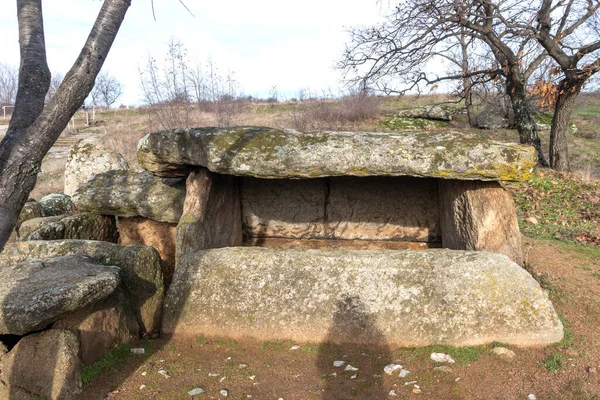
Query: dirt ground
{"x": 272, "y": 370}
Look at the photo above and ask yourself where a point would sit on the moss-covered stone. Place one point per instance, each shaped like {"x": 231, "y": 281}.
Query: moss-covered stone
{"x": 86, "y": 226}
{"x": 127, "y": 193}
{"x": 140, "y": 269}
{"x": 272, "y": 153}
{"x": 414, "y": 298}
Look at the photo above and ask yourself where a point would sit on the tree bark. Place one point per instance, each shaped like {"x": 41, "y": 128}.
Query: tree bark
{"x": 559, "y": 149}
{"x": 34, "y": 128}
{"x": 526, "y": 125}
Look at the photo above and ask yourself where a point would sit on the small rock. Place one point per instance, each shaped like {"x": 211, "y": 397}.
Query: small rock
{"x": 404, "y": 373}
{"x": 532, "y": 397}
{"x": 410, "y": 383}
{"x": 242, "y": 366}
{"x": 252, "y": 377}
{"x": 224, "y": 392}
{"x": 443, "y": 368}
{"x": 392, "y": 393}
{"x": 572, "y": 353}
{"x": 295, "y": 347}
{"x": 142, "y": 387}
{"x": 441, "y": 357}
{"x": 144, "y": 373}
{"x": 531, "y": 220}
{"x": 354, "y": 376}
{"x": 390, "y": 368}
{"x": 457, "y": 379}
{"x": 333, "y": 374}
{"x": 350, "y": 368}
{"x": 417, "y": 386}
{"x": 196, "y": 391}
{"x": 222, "y": 379}
{"x": 338, "y": 363}
{"x": 416, "y": 391}
{"x": 504, "y": 354}
{"x": 212, "y": 374}
{"x": 140, "y": 350}
{"x": 164, "y": 373}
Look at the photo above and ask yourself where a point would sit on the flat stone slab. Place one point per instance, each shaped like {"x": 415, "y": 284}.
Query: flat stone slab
{"x": 273, "y": 153}
{"x": 127, "y": 193}
{"x": 140, "y": 269}
{"x": 36, "y": 293}
{"x": 409, "y": 298}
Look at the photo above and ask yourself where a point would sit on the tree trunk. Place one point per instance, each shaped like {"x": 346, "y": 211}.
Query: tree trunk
{"x": 34, "y": 128}
{"x": 559, "y": 149}
{"x": 526, "y": 125}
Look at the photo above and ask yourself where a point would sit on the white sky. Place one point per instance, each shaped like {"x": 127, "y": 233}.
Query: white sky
{"x": 289, "y": 44}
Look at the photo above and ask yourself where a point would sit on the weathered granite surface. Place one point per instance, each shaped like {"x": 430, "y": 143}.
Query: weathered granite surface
{"x": 127, "y": 193}
{"x": 426, "y": 112}
{"x": 36, "y": 293}
{"x": 86, "y": 160}
{"x": 342, "y": 208}
{"x": 56, "y": 204}
{"x": 414, "y": 298}
{"x": 140, "y": 269}
{"x": 43, "y": 365}
{"x": 273, "y": 153}
{"x": 86, "y": 226}
{"x": 479, "y": 216}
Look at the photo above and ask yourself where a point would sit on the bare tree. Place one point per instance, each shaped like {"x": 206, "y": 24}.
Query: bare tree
{"x": 569, "y": 32}
{"x": 35, "y": 126}
{"x": 106, "y": 91}
{"x": 9, "y": 77}
{"x": 421, "y": 31}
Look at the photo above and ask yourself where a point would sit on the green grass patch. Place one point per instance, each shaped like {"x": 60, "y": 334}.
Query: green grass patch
{"x": 277, "y": 345}
{"x": 460, "y": 354}
{"x": 567, "y": 340}
{"x": 201, "y": 340}
{"x": 554, "y": 362}
{"x": 118, "y": 355}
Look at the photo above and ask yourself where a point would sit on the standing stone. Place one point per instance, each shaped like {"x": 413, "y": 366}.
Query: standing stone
{"x": 56, "y": 204}
{"x": 147, "y": 232}
{"x": 102, "y": 326}
{"x": 86, "y": 160}
{"x": 36, "y": 293}
{"x": 211, "y": 213}
{"x": 45, "y": 364}
{"x": 480, "y": 216}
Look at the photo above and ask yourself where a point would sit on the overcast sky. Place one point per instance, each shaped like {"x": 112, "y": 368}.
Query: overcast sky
{"x": 289, "y": 44}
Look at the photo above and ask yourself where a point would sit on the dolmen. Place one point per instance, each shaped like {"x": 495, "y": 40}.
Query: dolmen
{"x": 333, "y": 236}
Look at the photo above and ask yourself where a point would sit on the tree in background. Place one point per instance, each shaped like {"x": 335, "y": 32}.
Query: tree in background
{"x": 55, "y": 82}
{"x": 35, "y": 125}
{"x": 9, "y": 81}
{"x": 106, "y": 91}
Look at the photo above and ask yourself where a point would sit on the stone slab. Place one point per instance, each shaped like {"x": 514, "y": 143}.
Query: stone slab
{"x": 140, "y": 269}
{"x": 343, "y": 208}
{"x": 36, "y": 293}
{"x": 413, "y": 298}
{"x": 127, "y": 193}
{"x": 273, "y": 153}
{"x": 324, "y": 244}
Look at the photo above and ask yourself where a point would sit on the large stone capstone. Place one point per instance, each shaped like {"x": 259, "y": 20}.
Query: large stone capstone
{"x": 36, "y": 293}
{"x": 127, "y": 193}
{"x": 288, "y": 154}
{"x": 414, "y": 298}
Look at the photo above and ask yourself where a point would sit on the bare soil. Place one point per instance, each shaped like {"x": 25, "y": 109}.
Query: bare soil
{"x": 568, "y": 370}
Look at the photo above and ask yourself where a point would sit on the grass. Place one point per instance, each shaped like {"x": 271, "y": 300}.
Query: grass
{"x": 116, "y": 356}
{"x": 554, "y": 362}
{"x": 461, "y": 355}
{"x": 564, "y": 206}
